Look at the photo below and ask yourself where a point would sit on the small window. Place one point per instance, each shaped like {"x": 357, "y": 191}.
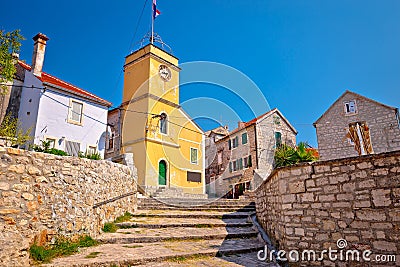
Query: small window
{"x": 247, "y": 162}
{"x": 75, "y": 112}
{"x": 193, "y": 155}
{"x": 230, "y": 166}
{"x": 240, "y": 163}
{"x": 163, "y": 123}
{"x": 229, "y": 144}
{"x": 91, "y": 150}
{"x": 219, "y": 158}
{"x": 235, "y": 142}
{"x": 111, "y": 141}
{"x": 235, "y": 165}
{"x": 244, "y": 138}
{"x": 350, "y": 107}
{"x": 51, "y": 142}
{"x": 278, "y": 139}
{"x": 194, "y": 177}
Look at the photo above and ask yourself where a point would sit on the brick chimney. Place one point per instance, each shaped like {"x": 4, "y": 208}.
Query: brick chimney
{"x": 39, "y": 49}
{"x": 241, "y": 124}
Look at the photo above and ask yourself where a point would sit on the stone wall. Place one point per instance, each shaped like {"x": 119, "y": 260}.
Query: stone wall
{"x": 311, "y": 206}
{"x": 44, "y": 195}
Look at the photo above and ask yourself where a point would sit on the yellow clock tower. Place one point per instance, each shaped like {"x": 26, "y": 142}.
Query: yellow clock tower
{"x": 167, "y": 146}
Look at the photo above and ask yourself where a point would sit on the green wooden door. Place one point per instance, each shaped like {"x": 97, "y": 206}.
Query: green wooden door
{"x": 162, "y": 173}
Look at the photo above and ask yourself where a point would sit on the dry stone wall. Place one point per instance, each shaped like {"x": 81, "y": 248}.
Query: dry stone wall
{"x": 311, "y": 206}
{"x": 44, "y": 195}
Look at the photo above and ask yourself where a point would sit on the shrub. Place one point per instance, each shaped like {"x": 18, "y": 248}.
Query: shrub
{"x": 126, "y": 217}
{"x": 11, "y": 129}
{"x": 61, "y": 247}
{"x": 110, "y": 228}
{"x": 286, "y": 155}
{"x": 45, "y": 148}
{"x": 94, "y": 156}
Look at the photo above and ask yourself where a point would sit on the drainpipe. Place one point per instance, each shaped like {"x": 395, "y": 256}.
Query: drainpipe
{"x": 119, "y": 131}
{"x": 255, "y": 138}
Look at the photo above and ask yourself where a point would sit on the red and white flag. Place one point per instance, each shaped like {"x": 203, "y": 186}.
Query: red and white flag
{"x": 156, "y": 12}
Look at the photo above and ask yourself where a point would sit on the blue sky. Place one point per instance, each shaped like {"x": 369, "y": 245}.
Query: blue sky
{"x": 302, "y": 54}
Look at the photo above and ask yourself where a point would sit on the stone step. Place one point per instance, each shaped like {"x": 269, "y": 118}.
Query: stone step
{"x": 200, "y": 207}
{"x": 189, "y": 214}
{"x": 144, "y": 253}
{"x": 198, "y": 201}
{"x": 229, "y": 209}
{"x": 146, "y": 222}
{"x": 174, "y": 225}
{"x": 233, "y": 260}
{"x": 194, "y": 205}
{"x": 149, "y": 235}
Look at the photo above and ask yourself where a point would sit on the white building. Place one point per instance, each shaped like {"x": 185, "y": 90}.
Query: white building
{"x": 71, "y": 118}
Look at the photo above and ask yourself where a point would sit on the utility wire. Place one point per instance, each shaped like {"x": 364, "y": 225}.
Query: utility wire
{"x": 124, "y": 109}
{"x": 137, "y": 26}
{"x": 130, "y": 44}
{"x": 128, "y": 110}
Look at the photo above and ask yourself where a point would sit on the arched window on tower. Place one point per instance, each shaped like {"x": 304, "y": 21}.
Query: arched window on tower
{"x": 163, "y": 123}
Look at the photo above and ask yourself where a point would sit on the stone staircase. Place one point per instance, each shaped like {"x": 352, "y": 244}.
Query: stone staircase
{"x": 178, "y": 232}
{"x": 171, "y": 192}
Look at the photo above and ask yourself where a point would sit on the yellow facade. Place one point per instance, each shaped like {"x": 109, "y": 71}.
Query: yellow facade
{"x": 151, "y": 107}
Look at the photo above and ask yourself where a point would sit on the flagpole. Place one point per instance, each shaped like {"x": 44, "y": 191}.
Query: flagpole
{"x": 152, "y": 23}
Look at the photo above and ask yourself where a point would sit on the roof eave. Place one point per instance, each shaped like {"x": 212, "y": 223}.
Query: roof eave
{"x": 103, "y": 103}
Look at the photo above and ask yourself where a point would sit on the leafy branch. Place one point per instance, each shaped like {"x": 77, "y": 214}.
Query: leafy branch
{"x": 10, "y": 43}
{"x": 13, "y": 133}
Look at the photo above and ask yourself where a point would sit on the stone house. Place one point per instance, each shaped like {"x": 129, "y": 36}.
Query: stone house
{"x": 211, "y": 137}
{"x": 70, "y": 118}
{"x": 356, "y": 125}
{"x": 114, "y": 126}
{"x": 247, "y": 149}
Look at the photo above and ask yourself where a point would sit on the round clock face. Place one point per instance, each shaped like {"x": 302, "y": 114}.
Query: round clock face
{"x": 165, "y": 73}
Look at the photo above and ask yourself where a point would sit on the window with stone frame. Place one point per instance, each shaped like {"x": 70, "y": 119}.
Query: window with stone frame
{"x": 193, "y": 155}
{"x": 247, "y": 162}
{"x": 163, "y": 123}
{"x": 75, "y": 112}
{"x": 278, "y": 139}
{"x": 350, "y": 107}
{"x": 244, "y": 138}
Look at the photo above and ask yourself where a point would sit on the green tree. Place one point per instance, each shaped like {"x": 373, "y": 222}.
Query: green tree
{"x": 12, "y": 132}
{"x": 10, "y": 42}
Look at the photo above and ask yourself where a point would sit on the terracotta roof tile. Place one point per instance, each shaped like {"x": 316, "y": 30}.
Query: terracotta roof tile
{"x": 254, "y": 121}
{"x": 47, "y": 78}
